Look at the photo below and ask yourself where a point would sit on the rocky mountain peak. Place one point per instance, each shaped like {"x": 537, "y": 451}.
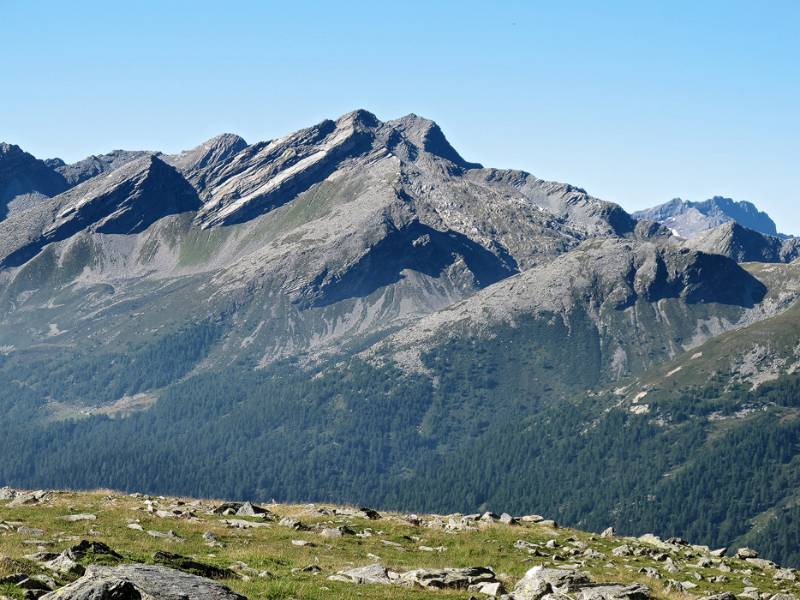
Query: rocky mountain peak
{"x": 428, "y": 137}
{"x": 218, "y": 148}
{"x": 359, "y": 118}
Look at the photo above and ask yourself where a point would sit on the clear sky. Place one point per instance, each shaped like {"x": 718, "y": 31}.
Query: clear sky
{"x": 638, "y": 102}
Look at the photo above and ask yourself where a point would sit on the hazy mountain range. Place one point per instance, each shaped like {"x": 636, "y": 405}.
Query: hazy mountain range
{"x": 355, "y": 312}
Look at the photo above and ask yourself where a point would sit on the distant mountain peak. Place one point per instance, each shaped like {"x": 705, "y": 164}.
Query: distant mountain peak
{"x": 687, "y": 218}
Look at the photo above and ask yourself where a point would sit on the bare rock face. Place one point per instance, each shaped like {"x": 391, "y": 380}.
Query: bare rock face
{"x": 25, "y": 180}
{"x": 138, "y": 582}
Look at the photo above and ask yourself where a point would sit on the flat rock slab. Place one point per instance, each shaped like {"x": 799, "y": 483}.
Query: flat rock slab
{"x": 137, "y": 582}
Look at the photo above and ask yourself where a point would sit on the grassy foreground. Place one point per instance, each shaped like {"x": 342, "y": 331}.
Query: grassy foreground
{"x": 277, "y": 565}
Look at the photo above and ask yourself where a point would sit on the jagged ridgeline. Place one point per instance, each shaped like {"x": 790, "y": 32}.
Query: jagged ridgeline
{"x": 356, "y": 313}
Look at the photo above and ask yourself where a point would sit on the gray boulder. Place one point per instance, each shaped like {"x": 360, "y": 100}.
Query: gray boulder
{"x": 614, "y": 592}
{"x": 374, "y": 573}
{"x": 745, "y": 553}
{"x": 139, "y": 582}
{"x": 540, "y": 581}
{"x": 450, "y": 578}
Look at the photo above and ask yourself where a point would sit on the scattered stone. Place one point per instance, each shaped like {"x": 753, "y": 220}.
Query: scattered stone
{"x": 719, "y": 552}
{"x": 293, "y": 524}
{"x": 375, "y": 573}
{"x": 432, "y": 548}
{"x": 531, "y": 519}
{"x": 614, "y": 592}
{"x": 650, "y": 572}
{"x": 673, "y": 586}
{"x": 492, "y": 589}
{"x": 670, "y": 565}
{"x": 540, "y": 581}
{"x": 169, "y": 535}
{"x": 607, "y": 532}
{"x": 761, "y": 563}
{"x": 746, "y": 553}
{"x": 313, "y": 569}
{"x": 623, "y": 550}
{"x": 452, "y": 578}
{"x": 362, "y": 512}
{"x": 548, "y": 523}
{"x": 303, "y": 543}
{"x": 242, "y": 524}
{"x": 249, "y": 510}
{"x": 29, "y": 498}
{"x": 32, "y": 531}
{"x": 784, "y": 575}
{"x": 722, "y": 596}
{"x": 79, "y": 517}
{"x": 135, "y": 526}
{"x": 704, "y": 563}
{"x": 654, "y": 540}
{"x": 688, "y": 585}
{"x": 135, "y": 581}
{"x": 507, "y": 519}
{"x": 336, "y": 532}
{"x": 226, "y": 508}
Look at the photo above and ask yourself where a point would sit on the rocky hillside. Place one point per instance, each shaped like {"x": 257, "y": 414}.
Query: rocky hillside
{"x": 105, "y": 546}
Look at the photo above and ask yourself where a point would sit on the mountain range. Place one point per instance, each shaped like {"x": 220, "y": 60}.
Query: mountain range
{"x": 354, "y": 312}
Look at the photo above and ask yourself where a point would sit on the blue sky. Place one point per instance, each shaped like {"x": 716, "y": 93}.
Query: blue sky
{"x": 638, "y": 102}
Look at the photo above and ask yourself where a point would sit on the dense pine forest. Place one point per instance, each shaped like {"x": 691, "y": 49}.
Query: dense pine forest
{"x": 477, "y": 431}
